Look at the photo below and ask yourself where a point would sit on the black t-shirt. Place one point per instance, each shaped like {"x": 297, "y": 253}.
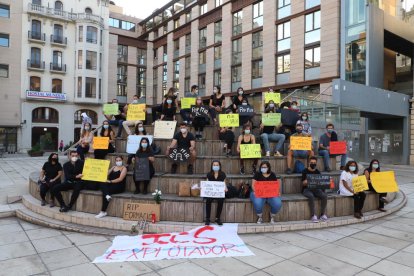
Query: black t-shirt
{"x": 184, "y": 142}
{"x": 258, "y": 176}
{"x": 71, "y": 171}
{"x": 216, "y": 101}
{"x": 51, "y": 170}
{"x": 169, "y": 112}
{"x": 221, "y": 176}
{"x": 120, "y": 116}
{"x": 306, "y": 171}
{"x": 144, "y": 154}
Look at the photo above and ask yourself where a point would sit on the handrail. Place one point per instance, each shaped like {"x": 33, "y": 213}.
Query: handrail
{"x": 77, "y": 143}
{"x": 322, "y": 93}
{"x": 295, "y": 91}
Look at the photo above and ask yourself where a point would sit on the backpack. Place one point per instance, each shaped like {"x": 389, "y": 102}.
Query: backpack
{"x": 244, "y": 190}
{"x": 299, "y": 167}
{"x": 231, "y": 191}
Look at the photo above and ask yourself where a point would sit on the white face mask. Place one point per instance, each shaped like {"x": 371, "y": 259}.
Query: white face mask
{"x": 118, "y": 163}
{"x": 247, "y": 131}
{"x": 87, "y": 128}
{"x": 74, "y": 159}
{"x": 271, "y": 105}
{"x": 135, "y": 101}
{"x": 140, "y": 129}
{"x": 214, "y": 91}
{"x": 183, "y": 130}
{"x": 105, "y": 126}
{"x": 294, "y": 106}
{"x": 352, "y": 168}
{"x": 375, "y": 166}
{"x": 240, "y": 92}
{"x": 244, "y": 103}
{"x": 304, "y": 118}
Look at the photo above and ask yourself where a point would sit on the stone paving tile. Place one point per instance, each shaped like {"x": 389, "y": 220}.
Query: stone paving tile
{"x": 185, "y": 269}
{"x": 344, "y": 230}
{"x": 16, "y": 250}
{"x": 224, "y": 266}
{"x": 126, "y": 268}
{"x": 259, "y": 273}
{"x": 261, "y": 259}
{"x": 95, "y": 249}
{"x": 28, "y": 265}
{"x": 42, "y": 233}
{"x": 29, "y": 226}
{"x": 63, "y": 258}
{"x": 402, "y": 235}
{"x": 10, "y": 228}
{"x": 82, "y": 239}
{"x": 13, "y": 238}
{"x": 323, "y": 235}
{"x": 386, "y": 267}
{"x": 51, "y": 244}
{"x": 278, "y": 248}
{"x": 366, "y": 247}
{"x": 381, "y": 240}
{"x": 367, "y": 273}
{"x": 155, "y": 265}
{"x": 82, "y": 269}
{"x": 5, "y": 221}
{"x": 404, "y": 258}
{"x": 409, "y": 249}
{"x": 298, "y": 240}
{"x": 289, "y": 268}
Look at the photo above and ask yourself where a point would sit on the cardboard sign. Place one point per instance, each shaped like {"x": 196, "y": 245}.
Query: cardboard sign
{"x": 359, "y": 184}
{"x": 300, "y": 143}
{"x": 137, "y": 211}
{"x": 229, "y": 120}
{"x": 179, "y": 154}
{"x": 337, "y": 147}
{"x": 199, "y": 111}
{"x": 136, "y": 112}
{"x": 95, "y": 170}
{"x": 164, "y": 129}
{"x": 245, "y": 110}
{"x": 142, "y": 169}
{"x": 215, "y": 189}
{"x": 266, "y": 189}
{"x": 134, "y": 141}
{"x": 250, "y": 151}
{"x": 111, "y": 109}
{"x": 384, "y": 182}
{"x": 100, "y": 143}
{"x": 272, "y": 96}
{"x": 318, "y": 181}
{"x": 271, "y": 119}
{"x": 186, "y": 103}
{"x": 289, "y": 117}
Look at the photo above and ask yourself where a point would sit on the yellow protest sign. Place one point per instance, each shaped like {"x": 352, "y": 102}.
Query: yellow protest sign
{"x": 300, "y": 143}
{"x": 271, "y": 96}
{"x": 100, "y": 142}
{"x": 250, "y": 151}
{"x": 229, "y": 120}
{"x": 111, "y": 109}
{"x": 95, "y": 170}
{"x": 384, "y": 182}
{"x": 271, "y": 119}
{"x": 136, "y": 112}
{"x": 359, "y": 184}
{"x": 187, "y": 102}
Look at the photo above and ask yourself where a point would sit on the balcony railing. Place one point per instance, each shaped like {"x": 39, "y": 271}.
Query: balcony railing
{"x": 57, "y": 39}
{"x": 33, "y": 35}
{"x": 35, "y": 64}
{"x": 58, "y": 67}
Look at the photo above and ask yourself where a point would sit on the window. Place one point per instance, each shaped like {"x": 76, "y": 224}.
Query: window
{"x": 37, "y": 2}
{"x": 176, "y": 47}
{"x": 155, "y": 52}
{"x": 36, "y": 30}
{"x": 312, "y": 3}
{"x": 35, "y": 83}
{"x": 35, "y": 57}
{"x": 155, "y": 83}
{"x": 80, "y": 59}
{"x": 100, "y": 62}
{"x": 202, "y": 58}
{"x": 217, "y": 31}
{"x": 57, "y": 86}
{"x": 90, "y": 87}
{"x": 113, "y": 22}
{"x": 203, "y": 9}
{"x": 164, "y": 53}
{"x": 4, "y": 40}
{"x": 217, "y": 78}
{"x": 80, "y": 33}
{"x": 236, "y": 73}
{"x": 203, "y": 38}
{"x": 79, "y": 87}
{"x": 188, "y": 17}
{"x": 122, "y": 74}
{"x": 237, "y": 22}
{"x": 164, "y": 79}
{"x": 187, "y": 85}
{"x": 57, "y": 61}
{"x": 141, "y": 57}
{"x": 313, "y": 27}
{"x": 45, "y": 115}
{"x": 91, "y": 60}
{"x": 257, "y": 72}
{"x": 176, "y": 70}
{"x": 176, "y": 23}
{"x": 217, "y": 53}
{"x": 88, "y": 11}
{"x": 312, "y": 57}
{"x": 187, "y": 43}
{"x": 187, "y": 67}
{"x": 57, "y": 34}
{"x": 4, "y": 70}
{"x": 141, "y": 81}
{"x": 58, "y": 6}
{"x": 127, "y": 26}
{"x": 355, "y": 11}
{"x": 237, "y": 51}
{"x": 283, "y": 36}
{"x": 258, "y": 15}
{"x": 283, "y": 8}
{"x": 202, "y": 84}
{"x": 257, "y": 45}
{"x": 91, "y": 114}
{"x": 122, "y": 53}
{"x": 164, "y": 29}
{"x": 283, "y": 64}
{"x": 219, "y": 3}
{"x": 91, "y": 34}
{"x": 4, "y": 10}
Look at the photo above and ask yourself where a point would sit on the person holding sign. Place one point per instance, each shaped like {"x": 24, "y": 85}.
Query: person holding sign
{"x": 185, "y": 140}
{"x": 215, "y": 174}
{"x": 246, "y": 138}
{"x": 114, "y": 185}
{"x": 186, "y": 112}
{"x": 144, "y": 152}
{"x": 374, "y": 166}
{"x": 265, "y": 174}
{"x": 126, "y": 124}
{"x": 312, "y": 193}
{"x": 106, "y": 131}
{"x": 237, "y": 100}
{"x": 346, "y": 188}
{"x": 50, "y": 176}
{"x": 324, "y": 147}
{"x": 85, "y": 140}
{"x": 168, "y": 110}
{"x": 199, "y": 121}
{"x": 304, "y": 121}
{"x": 117, "y": 120}
{"x": 297, "y": 153}
{"x": 217, "y": 103}
{"x": 158, "y": 108}
{"x": 227, "y": 135}
{"x": 269, "y": 134}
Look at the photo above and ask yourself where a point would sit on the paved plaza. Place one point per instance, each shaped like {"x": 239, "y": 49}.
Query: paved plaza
{"x": 380, "y": 247}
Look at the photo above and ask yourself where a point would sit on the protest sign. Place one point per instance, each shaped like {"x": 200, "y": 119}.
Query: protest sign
{"x": 100, "y": 142}
{"x": 300, "y": 143}
{"x": 179, "y": 154}
{"x": 199, "y": 111}
{"x": 142, "y": 169}
{"x": 214, "y": 189}
{"x": 134, "y": 141}
{"x": 137, "y": 211}
{"x": 111, "y": 109}
{"x": 164, "y": 129}
{"x": 359, "y": 184}
{"x": 318, "y": 181}
{"x": 209, "y": 241}
{"x": 95, "y": 170}
{"x": 272, "y": 96}
{"x": 289, "y": 117}
{"x": 250, "y": 151}
{"x": 186, "y": 103}
{"x": 271, "y": 119}
{"x": 229, "y": 120}
{"x": 245, "y": 110}
{"x": 266, "y": 189}
{"x": 384, "y": 182}
{"x": 337, "y": 147}
{"x": 136, "y": 112}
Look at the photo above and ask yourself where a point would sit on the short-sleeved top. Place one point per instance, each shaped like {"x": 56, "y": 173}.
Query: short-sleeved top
{"x": 144, "y": 154}
{"x": 258, "y": 176}
{"x": 184, "y": 142}
{"x": 305, "y": 172}
{"x": 191, "y": 95}
{"x": 346, "y": 176}
{"x": 169, "y": 112}
{"x": 221, "y": 176}
{"x": 307, "y": 129}
{"x": 51, "y": 170}
{"x": 325, "y": 140}
{"x": 217, "y": 101}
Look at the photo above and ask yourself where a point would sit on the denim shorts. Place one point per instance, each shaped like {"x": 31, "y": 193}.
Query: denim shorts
{"x": 300, "y": 153}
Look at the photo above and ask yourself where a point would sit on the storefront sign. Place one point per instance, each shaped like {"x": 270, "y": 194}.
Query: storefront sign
{"x": 37, "y": 95}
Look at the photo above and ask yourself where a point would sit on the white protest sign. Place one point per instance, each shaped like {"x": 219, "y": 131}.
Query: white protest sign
{"x": 209, "y": 241}
{"x": 133, "y": 142}
{"x": 214, "y": 189}
{"x": 164, "y": 129}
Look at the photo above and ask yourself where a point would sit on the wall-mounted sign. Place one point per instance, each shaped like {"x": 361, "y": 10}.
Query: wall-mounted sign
{"x": 36, "y": 95}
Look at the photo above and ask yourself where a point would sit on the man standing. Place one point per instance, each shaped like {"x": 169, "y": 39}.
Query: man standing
{"x": 183, "y": 140}
{"x": 117, "y": 120}
{"x": 324, "y": 143}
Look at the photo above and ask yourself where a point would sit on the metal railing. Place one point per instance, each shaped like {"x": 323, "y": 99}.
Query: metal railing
{"x": 36, "y": 35}
{"x": 35, "y": 64}
{"x": 58, "y": 39}
{"x": 57, "y": 67}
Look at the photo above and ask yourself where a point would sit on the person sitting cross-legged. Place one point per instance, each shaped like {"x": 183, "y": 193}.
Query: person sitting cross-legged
{"x": 297, "y": 153}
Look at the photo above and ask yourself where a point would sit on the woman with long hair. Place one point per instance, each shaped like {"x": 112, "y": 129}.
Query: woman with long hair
{"x": 85, "y": 140}
{"x": 106, "y": 131}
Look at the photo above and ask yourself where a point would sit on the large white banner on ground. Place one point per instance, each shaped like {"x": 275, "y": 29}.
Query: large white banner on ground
{"x": 210, "y": 241}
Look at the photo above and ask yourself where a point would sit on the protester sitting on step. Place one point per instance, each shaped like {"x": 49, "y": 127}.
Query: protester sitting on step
{"x": 265, "y": 174}
{"x": 227, "y": 135}
{"x": 50, "y": 175}
{"x": 106, "y": 131}
{"x": 199, "y": 122}
{"x": 186, "y": 112}
{"x": 374, "y": 166}
{"x": 168, "y": 110}
{"x": 324, "y": 147}
{"x": 144, "y": 151}
{"x": 246, "y": 138}
{"x": 217, "y": 103}
{"x": 127, "y": 124}
{"x": 158, "y": 108}
{"x": 215, "y": 174}
{"x": 270, "y": 134}
{"x": 312, "y": 193}
{"x": 346, "y": 188}
{"x": 297, "y": 153}
{"x": 237, "y": 100}
{"x": 117, "y": 120}
{"x": 304, "y": 121}
{"x": 85, "y": 140}
{"x": 183, "y": 139}
{"x": 114, "y": 185}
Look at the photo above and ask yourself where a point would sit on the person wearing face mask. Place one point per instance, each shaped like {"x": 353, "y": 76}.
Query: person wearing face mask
{"x": 144, "y": 151}
{"x": 114, "y": 185}
{"x": 215, "y": 174}
{"x": 168, "y": 110}
{"x": 217, "y": 103}
{"x": 117, "y": 120}
{"x": 324, "y": 142}
{"x": 199, "y": 122}
{"x": 346, "y": 188}
{"x": 85, "y": 140}
{"x": 127, "y": 124}
{"x": 294, "y": 106}
{"x": 312, "y": 193}
{"x": 237, "y": 100}
{"x": 227, "y": 135}
{"x": 246, "y": 137}
{"x": 374, "y": 166}
{"x": 304, "y": 121}
{"x": 265, "y": 174}
{"x": 297, "y": 153}
{"x": 183, "y": 139}
{"x": 172, "y": 94}
{"x": 50, "y": 175}
{"x": 85, "y": 120}
{"x": 270, "y": 133}
{"x": 106, "y": 131}
{"x": 186, "y": 112}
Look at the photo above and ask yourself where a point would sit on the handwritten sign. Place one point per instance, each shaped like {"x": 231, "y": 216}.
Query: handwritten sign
{"x": 100, "y": 142}
{"x": 384, "y": 182}
{"x": 95, "y": 170}
{"x": 271, "y": 119}
{"x": 136, "y": 112}
{"x": 134, "y": 141}
{"x": 229, "y": 120}
{"x": 142, "y": 169}
{"x": 213, "y": 189}
{"x": 271, "y": 96}
{"x": 199, "y": 111}
{"x": 318, "y": 181}
{"x": 337, "y": 147}
{"x": 179, "y": 154}
{"x": 186, "y": 103}
{"x": 111, "y": 109}
{"x": 245, "y": 110}
{"x": 250, "y": 151}
{"x": 359, "y": 184}
{"x": 136, "y": 211}
{"x": 289, "y": 117}
{"x": 164, "y": 129}
{"x": 266, "y": 189}
{"x": 300, "y": 143}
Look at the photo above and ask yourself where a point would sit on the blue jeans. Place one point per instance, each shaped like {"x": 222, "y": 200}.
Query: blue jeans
{"x": 274, "y": 137}
{"x": 300, "y": 153}
{"x": 326, "y": 156}
{"x": 258, "y": 203}
{"x": 117, "y": 123}
{"x": 185, "y": 114}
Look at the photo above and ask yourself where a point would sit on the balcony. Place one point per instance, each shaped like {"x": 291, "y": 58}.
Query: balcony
{"x": 35, "y": 65}
{"x": 58, "y": 40}
{"x": 37, "y": 37}
{"x": 57, "y": 68}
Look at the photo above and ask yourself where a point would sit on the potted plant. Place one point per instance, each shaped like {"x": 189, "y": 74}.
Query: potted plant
{"x": 35, "y": 151}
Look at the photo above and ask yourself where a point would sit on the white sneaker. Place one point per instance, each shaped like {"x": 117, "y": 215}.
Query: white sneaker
{"x": 108, "y": 197}
{"x": 101, "y": 214}
{"x": 259, "y": 220}
{"x": 267, "y": 153}
{"x": 272, "y": 220}
{"x": 314, "y": 219}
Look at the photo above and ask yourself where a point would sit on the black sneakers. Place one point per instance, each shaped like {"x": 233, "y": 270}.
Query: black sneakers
{"x": 174, "y": 168}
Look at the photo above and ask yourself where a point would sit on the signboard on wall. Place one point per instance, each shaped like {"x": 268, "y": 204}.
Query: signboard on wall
{"x": 37, "y": 95}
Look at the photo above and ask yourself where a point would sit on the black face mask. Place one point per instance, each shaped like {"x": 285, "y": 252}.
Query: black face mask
{"x": 298, "y": 130}
{"x": 312, "y": 166}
